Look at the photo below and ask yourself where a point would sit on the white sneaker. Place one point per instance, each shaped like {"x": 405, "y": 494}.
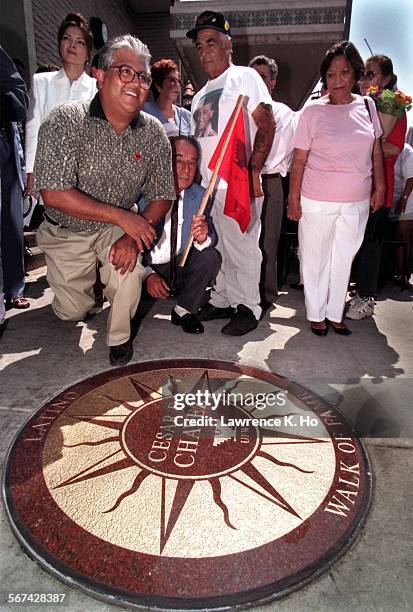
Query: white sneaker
{"x": 360, "y": 308}
{"x": 355, "y": 298}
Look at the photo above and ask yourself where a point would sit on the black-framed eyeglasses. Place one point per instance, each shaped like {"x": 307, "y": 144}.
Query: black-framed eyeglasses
{"x": 369, "y": 75}
{"x": 128, "y": 74}
{"x": 173, "y": 80}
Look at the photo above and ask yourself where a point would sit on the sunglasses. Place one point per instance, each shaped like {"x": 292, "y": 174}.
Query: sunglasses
{"x": 369, "y": 75}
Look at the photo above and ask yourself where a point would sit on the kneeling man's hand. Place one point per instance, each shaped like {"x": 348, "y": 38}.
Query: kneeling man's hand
{"x": 156, "y": 286}
{"x": 199, "y": 228}
{"x": 123, "y": 254}
{"x": 138, "y": 228}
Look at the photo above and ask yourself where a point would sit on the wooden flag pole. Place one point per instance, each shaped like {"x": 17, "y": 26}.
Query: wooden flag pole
{"x": 214, "y": 175}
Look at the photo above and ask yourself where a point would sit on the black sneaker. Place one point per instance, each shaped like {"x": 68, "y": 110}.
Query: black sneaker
{"x": 121, "y": 354}
{"x": 242, "y": 322}
{"x": 210, "y": 312}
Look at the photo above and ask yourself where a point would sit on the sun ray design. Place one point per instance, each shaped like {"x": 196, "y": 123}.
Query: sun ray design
{"x": 96, "y": 443}
{"x": 134, "y": 488}
{"x": 145, "y": 394}
{"x": 216, "y": 491}
{"x": 282, "y": 463}
{"x": 250, "y": 470}
{"x": 295, "y": 439}
{"x": 109, "y": 469}
{"x": 251, "y": 488}
{"x": 99, "y": 420}
{"x": 144, "y": 391}
{"x": 183, "y": 489}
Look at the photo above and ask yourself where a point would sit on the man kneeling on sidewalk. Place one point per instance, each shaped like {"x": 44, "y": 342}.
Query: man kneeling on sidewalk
{"x": 163, "y": 275}
{"x": 93, "y": 158}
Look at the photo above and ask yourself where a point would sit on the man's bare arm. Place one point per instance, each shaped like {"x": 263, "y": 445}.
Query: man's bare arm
{"x": 82, "y": 206}
{"x": 156, "y": 211}
{"x": 264, "y": 118}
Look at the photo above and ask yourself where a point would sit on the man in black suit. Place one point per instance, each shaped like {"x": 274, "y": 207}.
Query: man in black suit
{"x": 13, "y": 107}
{"x": 163, "y": 275}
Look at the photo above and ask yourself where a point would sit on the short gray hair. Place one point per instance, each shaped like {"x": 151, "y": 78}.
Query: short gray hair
{"x": 263, "y": 60}
{"x": 126, "y": 41}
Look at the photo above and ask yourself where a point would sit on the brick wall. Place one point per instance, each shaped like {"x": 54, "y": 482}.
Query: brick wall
{"x": 152, "y": 28}
{"x": 48, "y": 15}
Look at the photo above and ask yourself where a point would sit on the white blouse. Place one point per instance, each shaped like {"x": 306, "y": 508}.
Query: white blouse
{"x": 49, "y": 89}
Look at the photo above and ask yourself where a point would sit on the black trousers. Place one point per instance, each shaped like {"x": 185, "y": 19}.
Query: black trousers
{"x": 368, "y": 259}
{"x": 11, "y": 224}
{"x": 271, "y": 221}
{"x": 192, "y": 280}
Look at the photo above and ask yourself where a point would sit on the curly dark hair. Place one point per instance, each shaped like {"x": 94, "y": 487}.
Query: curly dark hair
{"x": 77, "y": 20}
{"x": 159, "y": 72}
{"x": 350, "y": 52}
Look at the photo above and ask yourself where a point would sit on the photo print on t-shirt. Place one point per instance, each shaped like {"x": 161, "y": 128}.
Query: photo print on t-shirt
{"x": 206, "y": 115}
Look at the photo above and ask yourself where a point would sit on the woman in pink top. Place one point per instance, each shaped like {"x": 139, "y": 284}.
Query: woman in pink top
{"x": 336, "y": 177}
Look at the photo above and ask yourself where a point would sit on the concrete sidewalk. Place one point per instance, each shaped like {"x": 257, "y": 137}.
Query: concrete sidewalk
{"x": 367, "y": 376}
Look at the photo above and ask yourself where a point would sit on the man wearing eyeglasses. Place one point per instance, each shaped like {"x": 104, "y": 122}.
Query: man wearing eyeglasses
{"x": 93, "y": 160}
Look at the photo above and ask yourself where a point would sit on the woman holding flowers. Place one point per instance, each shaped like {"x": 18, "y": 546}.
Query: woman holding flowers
{"x": 379, "y": 83}
{"x": 337, "y": 153}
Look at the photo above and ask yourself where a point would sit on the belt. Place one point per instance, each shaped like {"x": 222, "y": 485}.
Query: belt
{"x": 268, "y": 176}
{"x": 52, "y": 221}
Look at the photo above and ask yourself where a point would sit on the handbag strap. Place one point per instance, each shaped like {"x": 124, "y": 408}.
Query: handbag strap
{"x": 368, "y": 108}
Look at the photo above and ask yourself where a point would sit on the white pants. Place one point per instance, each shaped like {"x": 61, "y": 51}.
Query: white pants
{"x": 329, "y": 234}
{"x": 238, "y": 279}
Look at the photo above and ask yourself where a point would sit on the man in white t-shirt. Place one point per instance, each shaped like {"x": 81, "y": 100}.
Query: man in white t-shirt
{"x": 236, "y": 295}
{"x": 275, "y": 167}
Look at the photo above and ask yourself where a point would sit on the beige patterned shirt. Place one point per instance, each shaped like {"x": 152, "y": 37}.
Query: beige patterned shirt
{"x": 79, "y": 149}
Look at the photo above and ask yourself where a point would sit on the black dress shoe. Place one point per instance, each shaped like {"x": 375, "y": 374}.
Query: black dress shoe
{"x": 242, "y": 322}
{"x": 188, "y": 322}
{"x": 3, "y": 326}
{"x": 121, "y": 354}
{"x": 319, "y": 331}
{"x": 266, "y": 305}
{"x": 342, "y": 330}
{"x": 210, "y": 312}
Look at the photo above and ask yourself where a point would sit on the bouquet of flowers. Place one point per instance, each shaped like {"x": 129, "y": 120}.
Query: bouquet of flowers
{"x": 391, "y": 105}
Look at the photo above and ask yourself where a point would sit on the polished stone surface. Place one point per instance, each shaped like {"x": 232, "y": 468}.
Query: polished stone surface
{"x": 367, "y": 376}
{"x": 187, "y": 484}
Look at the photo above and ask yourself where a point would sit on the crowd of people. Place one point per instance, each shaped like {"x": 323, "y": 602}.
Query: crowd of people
{"x": 126, "y": 177}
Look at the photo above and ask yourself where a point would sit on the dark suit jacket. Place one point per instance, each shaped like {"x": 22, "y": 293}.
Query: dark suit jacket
{"x": 14, "y": 102}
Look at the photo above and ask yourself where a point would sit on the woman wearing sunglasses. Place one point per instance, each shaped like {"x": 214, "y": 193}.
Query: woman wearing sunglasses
{"x": 166, "y": 90}
{"x": 378, "y": 73}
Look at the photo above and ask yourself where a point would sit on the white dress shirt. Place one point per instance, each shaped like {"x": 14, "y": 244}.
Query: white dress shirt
{"x": 281, "y": 150}
{"x": 49, "y": 89}
{"x": 161, "y": 252}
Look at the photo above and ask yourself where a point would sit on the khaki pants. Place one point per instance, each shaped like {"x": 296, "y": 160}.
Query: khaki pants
{"x": 71, "y": 259}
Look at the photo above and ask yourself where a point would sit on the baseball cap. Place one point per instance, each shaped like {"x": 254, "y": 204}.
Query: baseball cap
{"x": 210, "y": 19}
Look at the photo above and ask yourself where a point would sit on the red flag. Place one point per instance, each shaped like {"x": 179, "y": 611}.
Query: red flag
{"x": 234, "y": 170}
